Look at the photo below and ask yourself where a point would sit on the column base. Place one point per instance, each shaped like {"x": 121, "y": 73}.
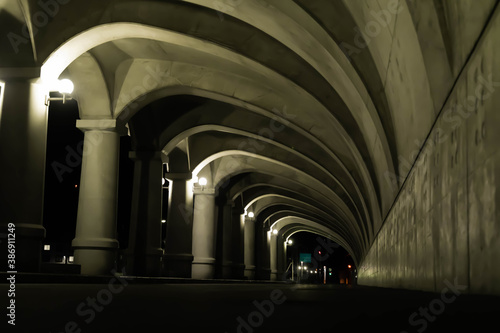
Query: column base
{"x": 96, "y": 256}
{"x": 250, "y": 272}
{"x": 28, "y": 245}
{"x": 263, "y": 274}
{"x": 145, "y": 264}
{"x": 177, "y": 265}
{"x": 281, "y": 275}
{"x": 274, "y": 275}
{"x": 203, "y": 268}
{"x": 238, "y": 271}
{"x": 224, "y": 270}
{"x": 96, "y": 261}
{"x": 228, "y": 270}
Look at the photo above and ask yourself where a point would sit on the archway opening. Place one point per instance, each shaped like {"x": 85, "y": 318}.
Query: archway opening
{"x": 318, "y": 260}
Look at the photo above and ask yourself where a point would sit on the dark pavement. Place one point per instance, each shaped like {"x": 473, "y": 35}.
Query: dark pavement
{"x": 245, "y": 307}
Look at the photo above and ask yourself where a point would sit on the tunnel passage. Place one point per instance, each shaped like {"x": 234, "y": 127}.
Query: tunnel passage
{"x": 371, "y": 123}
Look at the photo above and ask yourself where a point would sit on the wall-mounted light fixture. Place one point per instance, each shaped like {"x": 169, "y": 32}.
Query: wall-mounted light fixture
{"x": 201, "y": 186}
{"x": 65, "y": 87}
{"x": 203, "y": 181}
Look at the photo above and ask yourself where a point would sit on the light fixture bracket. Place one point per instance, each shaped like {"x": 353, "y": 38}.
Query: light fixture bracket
{"x": 65, "y": 97}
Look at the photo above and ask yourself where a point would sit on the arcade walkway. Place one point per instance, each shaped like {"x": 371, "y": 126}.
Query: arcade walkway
{"x": 216, "y": 307}
{"x": 370, "y": 123}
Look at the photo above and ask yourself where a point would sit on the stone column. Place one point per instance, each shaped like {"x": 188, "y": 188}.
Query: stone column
{"x": 227, "y": 240}
{"x": 178, "y": 256}
{"x": 23, "y": 138}
{"x": 282, "y": 260}
{"x": 204, "y": 229}
{"x": 237, "y": 242}
{"x": 262, "y": 256}
{"x": 249, "y": 248}
{"x": 144, "y": 255}
{"x": 273, "y": 255}
{"x": 95, "y": 242}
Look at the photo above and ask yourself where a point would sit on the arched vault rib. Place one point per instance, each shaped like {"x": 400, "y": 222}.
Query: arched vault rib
{"x": 270, "y": 204}
{"x": 292, "y": 26}
{"x": 292, "y": 224}
{"x": 264, "y": 201}
{"x": 91, "y": 90}
{"x": 235, "y": 162}
{"x": 205, "y": 144}
{"x": 285, "y": 189}
{"x": 303, "y": 104}
{"x": 301, "y": 116}
{"x": 277, "y": 213}
{"x": 301, "y": 35}
{"x": 293, "y": 228}
{"x": 325, "y": 70}
{"x": 269, "y": 215}
{"x": 230, "y": 163}
{"x": 230, "y": 119}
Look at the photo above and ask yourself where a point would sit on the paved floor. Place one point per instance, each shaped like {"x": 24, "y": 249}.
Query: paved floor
{"x": 245, "y": 308}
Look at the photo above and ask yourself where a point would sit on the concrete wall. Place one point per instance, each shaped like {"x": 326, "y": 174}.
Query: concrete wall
{"x": 444, "y": 224}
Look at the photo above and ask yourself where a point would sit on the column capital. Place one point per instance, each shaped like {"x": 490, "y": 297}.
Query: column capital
{"x": 95, "y": 242}
{"x": 249, "y": 219}
{"x": 179, "y": 175}
{"x": 17, "y": 73}
{"x": 110, "y": 125}
{"x": 199, "y": 190}
{"x": 144, "y": 155}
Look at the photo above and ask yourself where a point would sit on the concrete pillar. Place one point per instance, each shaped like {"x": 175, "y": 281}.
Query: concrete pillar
{"x": 144, "y": 255}
{"x": 178, "y": 256}
{"x": 227, "y": 240}
{"x": 273, "y": 255}
{"x": 262, "y": 249}
{"x": 23, "y": 137}
{"x": 204, "y": 229}
{"x": 95, "y": 242}
{"x": 282, "y": 259}
{"x": 237, "y": 242}
{"x": 249, "y": 251}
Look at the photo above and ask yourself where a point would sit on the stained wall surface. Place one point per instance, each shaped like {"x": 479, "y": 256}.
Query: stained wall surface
{"x": 443, "y": 225}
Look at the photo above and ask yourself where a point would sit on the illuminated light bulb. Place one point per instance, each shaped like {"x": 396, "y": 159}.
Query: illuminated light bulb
{"x": 65, "y": 86}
